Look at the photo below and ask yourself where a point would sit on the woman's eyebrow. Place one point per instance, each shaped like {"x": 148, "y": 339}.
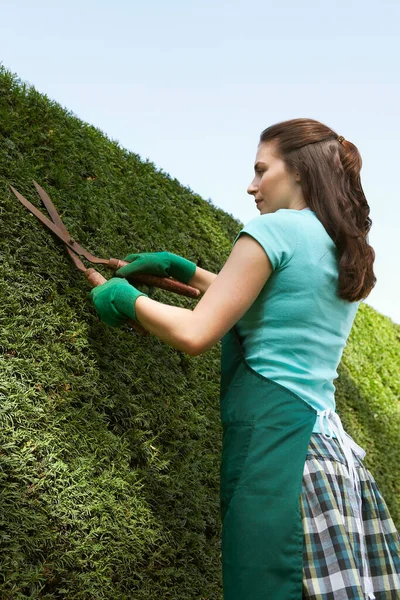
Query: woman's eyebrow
{"x": 258, "y": 164}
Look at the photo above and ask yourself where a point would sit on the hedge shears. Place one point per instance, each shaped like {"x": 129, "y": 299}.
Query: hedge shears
{"x": 95, "y": 278}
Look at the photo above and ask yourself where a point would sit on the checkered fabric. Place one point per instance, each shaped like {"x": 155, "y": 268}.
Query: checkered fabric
{"x": 350, "y": 552}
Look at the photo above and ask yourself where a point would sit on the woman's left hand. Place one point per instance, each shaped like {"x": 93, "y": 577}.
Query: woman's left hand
{"x": 115, "y": 300}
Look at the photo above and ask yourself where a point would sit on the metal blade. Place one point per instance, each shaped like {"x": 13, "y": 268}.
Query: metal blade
{"x": 64, "y": 236}
{"x": 50, "y": 208}
{"x": 57, "y": 220}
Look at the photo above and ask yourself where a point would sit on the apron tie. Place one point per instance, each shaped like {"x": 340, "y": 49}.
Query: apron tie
{"x": 349, "y": 446}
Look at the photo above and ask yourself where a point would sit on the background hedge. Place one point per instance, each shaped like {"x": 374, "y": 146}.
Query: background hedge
{"x": 110, "y": 443}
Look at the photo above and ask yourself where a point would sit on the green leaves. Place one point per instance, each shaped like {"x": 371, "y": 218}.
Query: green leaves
{"x": 109, "y": 459}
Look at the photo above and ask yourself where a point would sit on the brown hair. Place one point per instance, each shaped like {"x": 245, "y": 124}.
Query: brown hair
{"x": 330, "y": 180}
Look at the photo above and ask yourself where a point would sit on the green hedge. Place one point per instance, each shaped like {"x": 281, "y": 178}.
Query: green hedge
{"x": 110, "y": 442}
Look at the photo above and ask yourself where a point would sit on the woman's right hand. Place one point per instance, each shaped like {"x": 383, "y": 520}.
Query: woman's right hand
{"x": 163, "y": 264}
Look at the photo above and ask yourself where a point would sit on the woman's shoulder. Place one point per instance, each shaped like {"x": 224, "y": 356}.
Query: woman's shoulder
{"x": 286, "y": 219}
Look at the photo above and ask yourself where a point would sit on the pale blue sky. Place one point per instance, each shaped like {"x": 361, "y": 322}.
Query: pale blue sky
{"x": 190, "y": 86}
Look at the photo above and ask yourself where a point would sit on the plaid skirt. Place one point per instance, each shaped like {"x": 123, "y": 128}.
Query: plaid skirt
{"x": 351, "y": 546}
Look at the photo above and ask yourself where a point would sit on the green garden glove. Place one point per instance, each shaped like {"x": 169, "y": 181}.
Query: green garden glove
{"x": 115, "y": 301}
{"x": 163, "y": 264}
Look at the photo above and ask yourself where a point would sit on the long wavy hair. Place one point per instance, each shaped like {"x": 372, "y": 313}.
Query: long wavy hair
{"x": 330, "y": 180}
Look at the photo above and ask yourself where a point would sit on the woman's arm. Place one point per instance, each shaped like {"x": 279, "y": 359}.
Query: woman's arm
{"x": 170, "y": 323}
{"x": 228, "y": 297}
{"x": 202, "y": 279}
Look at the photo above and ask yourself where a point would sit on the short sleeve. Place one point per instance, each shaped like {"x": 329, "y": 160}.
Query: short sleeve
{"x": 277, "y": 233}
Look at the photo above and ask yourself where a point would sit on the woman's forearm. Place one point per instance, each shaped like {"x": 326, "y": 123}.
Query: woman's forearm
{"x": 202, "y": 279}
{"x": 171, "y": 324}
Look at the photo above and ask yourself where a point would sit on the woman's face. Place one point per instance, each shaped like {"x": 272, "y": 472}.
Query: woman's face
{"x": 272, "y": 185}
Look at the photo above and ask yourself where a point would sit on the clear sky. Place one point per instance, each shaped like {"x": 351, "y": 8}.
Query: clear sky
{"x": 191, "y": 85}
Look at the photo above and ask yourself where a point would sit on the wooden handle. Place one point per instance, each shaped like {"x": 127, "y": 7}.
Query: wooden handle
{"x": 95, "y": 278}
{"x": 164, "y": 283}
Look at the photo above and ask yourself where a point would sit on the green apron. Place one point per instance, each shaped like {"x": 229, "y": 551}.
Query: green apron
{"x": 266, "y": 432}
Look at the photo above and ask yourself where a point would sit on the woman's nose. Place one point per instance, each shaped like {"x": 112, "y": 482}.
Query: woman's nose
{"x": 251, "y": 189}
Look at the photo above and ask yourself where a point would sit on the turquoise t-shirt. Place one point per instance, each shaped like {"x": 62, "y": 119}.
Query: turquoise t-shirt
{"x": 296, "y": 330}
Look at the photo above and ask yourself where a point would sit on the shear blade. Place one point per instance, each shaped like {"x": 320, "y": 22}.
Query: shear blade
{"x": 62, "y": 235}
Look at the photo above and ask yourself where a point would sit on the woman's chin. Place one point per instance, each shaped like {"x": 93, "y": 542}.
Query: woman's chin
{"x": 263, "y": 208}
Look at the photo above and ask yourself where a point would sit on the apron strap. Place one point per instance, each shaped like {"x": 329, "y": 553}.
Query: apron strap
{"x": 349, "y": 446}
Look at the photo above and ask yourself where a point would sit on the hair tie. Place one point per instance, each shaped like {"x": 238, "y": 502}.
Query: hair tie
{"x": 340, "y": 138}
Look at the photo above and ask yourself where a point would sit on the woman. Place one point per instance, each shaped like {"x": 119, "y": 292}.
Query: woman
{"x": 301, "y": 516}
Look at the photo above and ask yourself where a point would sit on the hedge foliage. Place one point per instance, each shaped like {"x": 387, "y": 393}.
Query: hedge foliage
{"x": 110, "y": 442}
